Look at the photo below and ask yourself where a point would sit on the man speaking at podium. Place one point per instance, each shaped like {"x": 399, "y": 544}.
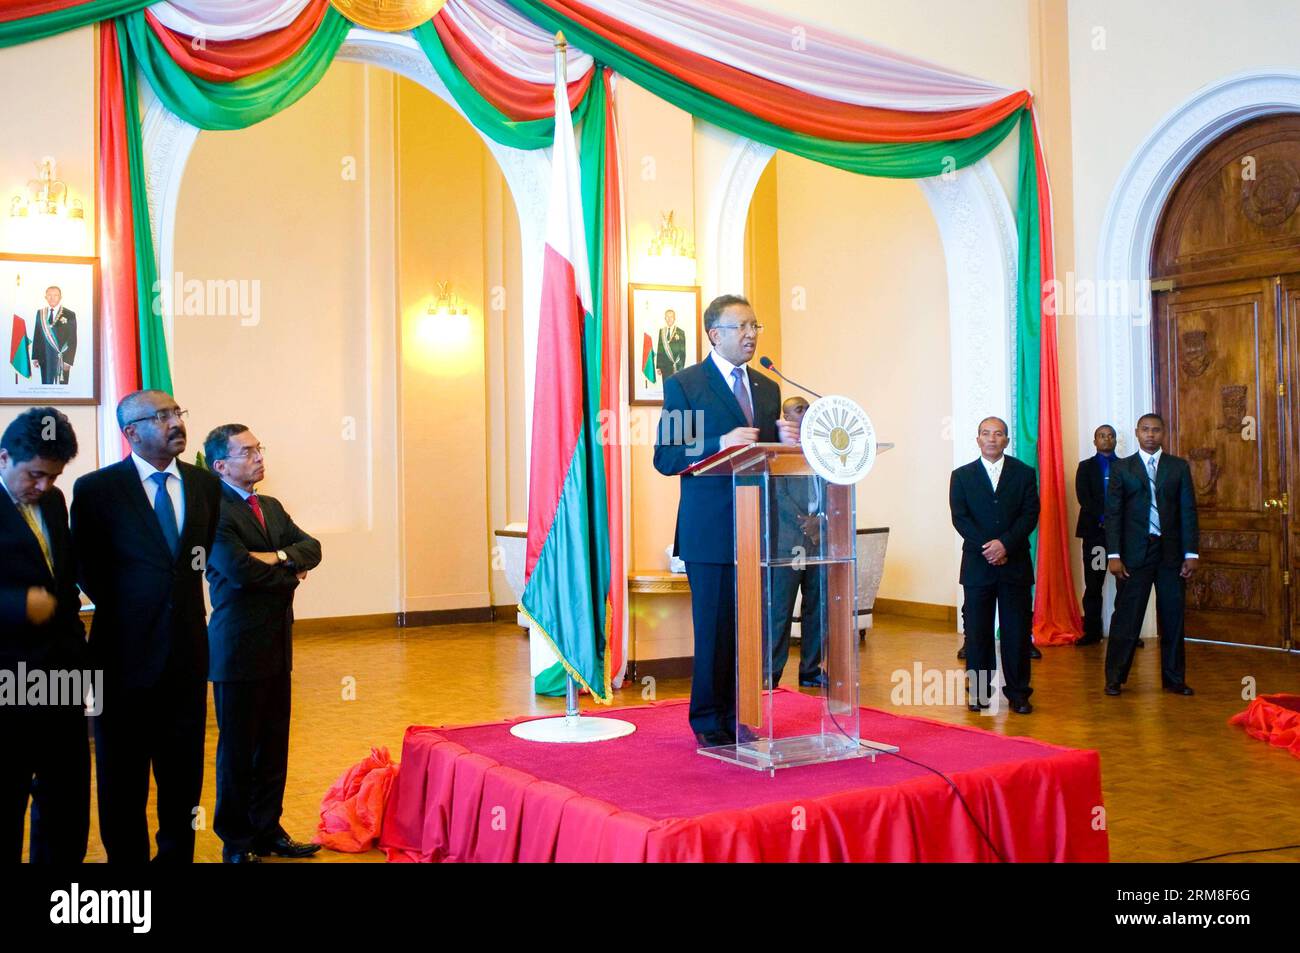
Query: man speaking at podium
{"x": 711, "y": 406}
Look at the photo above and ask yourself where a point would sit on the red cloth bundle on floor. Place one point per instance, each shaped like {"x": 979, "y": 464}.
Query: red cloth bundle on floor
{"x": 1273, "y": 718}
{"x": 352, "y": 813}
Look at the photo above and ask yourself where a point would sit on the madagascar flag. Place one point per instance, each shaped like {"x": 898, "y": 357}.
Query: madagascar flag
{"x": 648, "y": 358}
{"x": 562, "y": 594}
{"x": 18, "y": 356}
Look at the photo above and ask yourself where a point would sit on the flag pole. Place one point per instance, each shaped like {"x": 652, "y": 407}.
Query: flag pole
{"x": 572, "y": 727}
{"x": 561, "y": 90}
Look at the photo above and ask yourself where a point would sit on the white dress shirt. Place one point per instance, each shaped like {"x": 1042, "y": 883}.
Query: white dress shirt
{"x": 175, "y": 488}
{"x": 726, "y": 367}
{"x": 994, "y": 469}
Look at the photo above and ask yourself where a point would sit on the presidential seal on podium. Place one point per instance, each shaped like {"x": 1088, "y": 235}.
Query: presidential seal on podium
{"x": 838, "y": 440}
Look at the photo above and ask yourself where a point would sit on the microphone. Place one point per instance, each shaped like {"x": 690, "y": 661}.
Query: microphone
{"x": 768, "y": 365}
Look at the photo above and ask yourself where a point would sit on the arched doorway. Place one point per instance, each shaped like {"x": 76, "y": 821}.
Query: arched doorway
{"x": 345, "y": 369}
{"x": 973, "y": 345}
{"x": 1225, "y": 269}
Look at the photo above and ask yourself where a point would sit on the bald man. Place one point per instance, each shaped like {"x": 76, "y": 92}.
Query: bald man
{"x": 994, "y": 502}
{"x": 143, "y": 529}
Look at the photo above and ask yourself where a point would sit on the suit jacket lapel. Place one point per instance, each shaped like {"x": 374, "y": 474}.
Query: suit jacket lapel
{"x": 186, "y": 500}
{"x": 1162, "y": 471}
{"x": 58, "y": 541}
{"x": 244, "y": 513}
{"x": 18, "y": 525}
{"x": 133, "y": 490}
{"x": 755, "y": 381}
{"x": 722, "y": 389}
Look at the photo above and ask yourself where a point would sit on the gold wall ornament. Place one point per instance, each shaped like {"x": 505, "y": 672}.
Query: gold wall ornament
{"x": 389, "y": 16}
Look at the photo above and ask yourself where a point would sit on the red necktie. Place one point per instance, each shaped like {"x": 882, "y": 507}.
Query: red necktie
{"x": 256, "y": 504}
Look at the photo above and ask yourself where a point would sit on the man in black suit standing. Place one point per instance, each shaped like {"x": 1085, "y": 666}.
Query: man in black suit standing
{"x": 994, "y": 503}
{"x": 1090, "y": 483}
{"x": 258, "y": 559}
{"x": 711, "y": 406}
{"x": 1151, "y": 539}
{"x": 143, "y": 530}
{"x": 44, "y": 752}
{"x": 54, "y": 339}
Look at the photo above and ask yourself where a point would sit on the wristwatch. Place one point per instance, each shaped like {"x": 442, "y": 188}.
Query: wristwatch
{"x": 281, "y": 555}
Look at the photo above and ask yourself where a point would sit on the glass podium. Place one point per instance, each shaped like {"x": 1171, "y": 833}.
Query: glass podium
{"x": 792, "y": 528}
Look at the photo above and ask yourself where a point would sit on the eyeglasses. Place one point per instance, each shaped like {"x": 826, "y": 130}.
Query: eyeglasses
{"x": 246, "y": 452}
{"x": 742, "y": 328}
{"x": 161, "y": 417}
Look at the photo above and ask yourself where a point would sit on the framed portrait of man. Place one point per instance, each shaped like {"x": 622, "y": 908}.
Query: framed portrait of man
{"x": 52, "y": 318}
{"x": 663, "y": 337}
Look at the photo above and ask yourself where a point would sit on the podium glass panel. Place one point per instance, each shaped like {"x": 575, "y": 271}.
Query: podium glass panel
{"x": 793, "y": 529}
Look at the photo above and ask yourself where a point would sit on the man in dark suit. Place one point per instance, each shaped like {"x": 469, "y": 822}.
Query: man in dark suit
{"x": 715, "y": 405}
{"x": 1090, "y": 482}
{"x": 797, "y": 501}
{"x": 670, "y": 355}
{"x": 144, "y": 529}
{"x": 44, "y": 752}
{"x": 258, "y": 559}
{"x": 54, "y": 340}
{"x": 1152, "y": 538}
{"x": 994, "y": 502}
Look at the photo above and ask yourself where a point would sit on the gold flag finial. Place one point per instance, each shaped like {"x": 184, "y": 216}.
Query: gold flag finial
{"x": 560, "y": 41}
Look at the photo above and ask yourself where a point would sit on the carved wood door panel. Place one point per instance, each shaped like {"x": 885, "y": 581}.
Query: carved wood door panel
{"x": 1289, "y": 292}
{"x": 1217, "y": 379}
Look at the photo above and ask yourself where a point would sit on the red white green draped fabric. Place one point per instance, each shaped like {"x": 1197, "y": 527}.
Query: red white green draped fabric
{"x": 826, "y": 97}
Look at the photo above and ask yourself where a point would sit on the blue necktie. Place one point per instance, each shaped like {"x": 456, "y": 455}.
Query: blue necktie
{"x": 1154, "y": 519}
{"x": 166, "y": 513}
{"x": 742, "y": 396}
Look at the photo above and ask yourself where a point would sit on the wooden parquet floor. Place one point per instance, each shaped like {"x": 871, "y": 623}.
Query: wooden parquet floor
{"x": 1179, "y": 783}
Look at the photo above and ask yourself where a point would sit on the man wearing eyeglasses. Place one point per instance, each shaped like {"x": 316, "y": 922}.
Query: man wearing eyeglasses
{"x": 143, "y": 530}
{"x": 711, "y": 406}
{"x": 258, "y": 559}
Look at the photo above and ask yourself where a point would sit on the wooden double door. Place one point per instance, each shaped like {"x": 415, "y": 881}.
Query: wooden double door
{"x": 1226, "y": 336}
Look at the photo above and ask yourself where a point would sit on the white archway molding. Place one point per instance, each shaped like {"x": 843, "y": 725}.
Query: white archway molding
{"x": 1121, "y": 388}
{"x": 169, "y": 140}
{"x": 980, "y": 250}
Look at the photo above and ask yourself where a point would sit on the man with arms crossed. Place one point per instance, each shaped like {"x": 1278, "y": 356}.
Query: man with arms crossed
{"x": 258, "y": 559}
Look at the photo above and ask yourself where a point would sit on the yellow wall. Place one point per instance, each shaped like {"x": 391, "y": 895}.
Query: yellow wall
{"x": 444, "y": 430}
{"x": 864, "y": 313}
{"x": 315, "y": 377}
{"x": 46, "y": 111}
{"x": 377, "y": 414}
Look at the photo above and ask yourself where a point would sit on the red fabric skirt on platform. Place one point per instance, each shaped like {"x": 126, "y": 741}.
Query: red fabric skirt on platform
{"x": 477, "y": 793}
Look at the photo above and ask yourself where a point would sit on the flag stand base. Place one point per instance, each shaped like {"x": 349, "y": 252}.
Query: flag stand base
{"x": 571, "y": 727}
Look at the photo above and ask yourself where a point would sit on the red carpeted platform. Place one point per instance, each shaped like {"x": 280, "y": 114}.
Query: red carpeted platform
{"x": 477, "y": 793}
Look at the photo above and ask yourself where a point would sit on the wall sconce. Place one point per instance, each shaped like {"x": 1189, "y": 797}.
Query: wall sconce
{"x": 46, "y": 217}
{"x": 671, "y": 255}
{"x": 445, "y": 323}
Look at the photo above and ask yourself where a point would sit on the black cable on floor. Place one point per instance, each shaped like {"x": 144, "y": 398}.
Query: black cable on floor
{"x": 1237, "y": 853}
{"x": 969, "y": 813}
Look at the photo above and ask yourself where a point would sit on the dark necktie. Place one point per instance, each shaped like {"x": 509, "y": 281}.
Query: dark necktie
{"x": 166, "y": 513}
{"x": 742, "y": 395}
